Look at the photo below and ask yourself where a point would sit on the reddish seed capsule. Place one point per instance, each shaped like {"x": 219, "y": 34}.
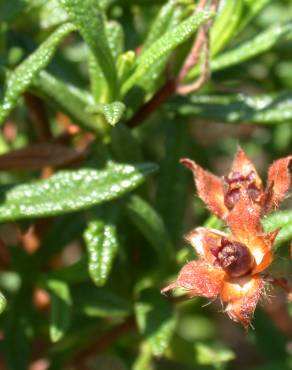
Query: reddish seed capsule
{"x": 232, "y": 188}
{"x": 235, "y": 258}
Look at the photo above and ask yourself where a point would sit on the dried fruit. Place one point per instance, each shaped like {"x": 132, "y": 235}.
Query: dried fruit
{"x": 229, "y": 265}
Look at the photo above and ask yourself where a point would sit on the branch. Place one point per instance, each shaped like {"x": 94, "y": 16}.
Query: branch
{"x": 103, "y": 342}
{"x": 38, "y": 116}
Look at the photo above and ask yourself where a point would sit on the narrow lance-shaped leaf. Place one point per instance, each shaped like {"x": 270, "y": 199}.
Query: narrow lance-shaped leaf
{"x": 71, "y": 100}
{"x": 144, "y": 359}
{"x": 98, "y": 82}
{"x": 21, "y": 78}
{"x": 238, "y": 108}
{"x": 151, "y": 225}
{"x": 251, "y": 9}
{"x": 102, "y": 245}
{"x": 249, "y": 49}
{"x": 169, "y": 41}
{"x": 150, "y": 81}
{"x": 99, "y": 302}
{"x": 160, "y": 23}
{"x": 51, "y": 14}
{"x": 261, "y": 43}
{"x": 171, "y": 194}
{"x": 2, "y": 303}
{"x": 226, "y": 24}
{"x": 156, "y": 320}
{"x": 18, "y": 329}
{"x": 208, "y": 355}
{"x": 69, "y": 191}
{"x": 88, "y": 18}
{"x": 61, "y": 309}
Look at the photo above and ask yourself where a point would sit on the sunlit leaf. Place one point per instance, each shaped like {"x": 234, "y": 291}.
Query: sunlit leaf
{"x": 210, "y": 354}
{"x": 61, "y": 309}
{"x": 69, "y": 191}
{"x": 169, "y": 41}
{"x": 21, "y": 78}
{"x": 102, "y": 244}
{"x": 112, "y": 112}
{"x": 3, "y": 303}
{"x": 156, "y": 320}
{"x": 88, "y": 18}
{"x": 71, "y": 100}
{"x": 261, "y": 43}
{"x": 249, "y": 49}
{"x": 269, "y": 109}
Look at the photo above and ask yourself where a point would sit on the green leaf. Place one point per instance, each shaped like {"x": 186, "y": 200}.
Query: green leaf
{"x": 102, "y": 245}
{"x": 261, "y": 43}
{"x": 125, "y": 145}
{"x": 52, "y": 14}
{"x": 18, "y": 328}
{"x": 99, "y": 302}
{"x": 281, "y": 219}
{"x": 269, "y": 109}
{"x": 232, "y": 18}
{"x": 250, "y": 9}
{"x": 151, "y": 225}
{"x": 68, "y": 98}
{"x": 226, "y": 24}
{"x": 69, "y": 191}
{"x": 168, "y": 42}
{"x": 156, "y": 320}
{"x": 161, "y": 22}
{"x": 171, "y": 194}
{"x": 61, "y": 309}
{"x": 213, "y": 354}
{"x": 144, "y": 360}
{"x": 21, "y": 78}
{"x": 10, "y": 9}
{"x": 3, "y": 303}
{"x": 115, "y": 36}
{"x": 112, "y": 112}
{"x": 249, "y": 49}
{"x": 88, "y": 18}
{"x": 98, "y": 83}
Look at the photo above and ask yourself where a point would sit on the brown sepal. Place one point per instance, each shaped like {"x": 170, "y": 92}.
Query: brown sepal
{"x": 278, "y": 184}
{"x": 209, "y": 186}
{"x": 199, "y": 278}
{"x": 242, "y": 296}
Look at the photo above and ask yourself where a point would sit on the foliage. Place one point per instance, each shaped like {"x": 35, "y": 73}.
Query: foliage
{"x": 94, "y": 204}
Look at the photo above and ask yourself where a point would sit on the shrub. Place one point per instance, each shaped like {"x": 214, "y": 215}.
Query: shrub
{"x": 99, "y": 102}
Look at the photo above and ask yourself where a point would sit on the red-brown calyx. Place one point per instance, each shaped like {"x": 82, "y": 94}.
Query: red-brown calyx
{"x": 230, "y": 266}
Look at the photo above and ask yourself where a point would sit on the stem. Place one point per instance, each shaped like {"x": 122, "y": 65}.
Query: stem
{"x": 38, "y": 116}
{"x": 104, "y": 342}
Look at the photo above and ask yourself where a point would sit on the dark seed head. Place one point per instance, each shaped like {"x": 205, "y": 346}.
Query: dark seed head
{"x": 235, "y": 258}
{"x": 231, "y": 197}
{"x": 234, "y": 182}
